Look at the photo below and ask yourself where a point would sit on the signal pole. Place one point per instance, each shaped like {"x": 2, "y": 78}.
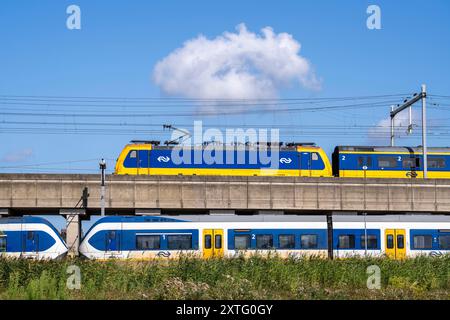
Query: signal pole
{"x": 102, "y": 196}
{"x": 424, "y": 131}
{"x": 392, "y": 126}
{"x": 416, "y": 97}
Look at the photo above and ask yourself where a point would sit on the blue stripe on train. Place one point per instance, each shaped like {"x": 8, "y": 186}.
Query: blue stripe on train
{"x": 226, "y": 159}
{"x": 27, "y": 241}
{"x": 126, "y": 239}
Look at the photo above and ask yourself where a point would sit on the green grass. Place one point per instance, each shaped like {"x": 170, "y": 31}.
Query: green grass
{"x": 253, "y": 278}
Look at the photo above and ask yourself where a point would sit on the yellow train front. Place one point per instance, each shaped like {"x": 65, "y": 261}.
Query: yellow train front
{"x": 390, "y": 162}
{"x": 294, "y": 159}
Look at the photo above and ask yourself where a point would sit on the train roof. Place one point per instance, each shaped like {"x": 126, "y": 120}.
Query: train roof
{"x": 391, "y": 149}
{"x": 25, "y": 219}
{"x": 392, "y": 218}
{"x": 246, "y": 146}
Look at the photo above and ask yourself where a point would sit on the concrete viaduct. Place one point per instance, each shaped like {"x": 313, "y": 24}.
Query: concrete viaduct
{"x": 23, "y": 194}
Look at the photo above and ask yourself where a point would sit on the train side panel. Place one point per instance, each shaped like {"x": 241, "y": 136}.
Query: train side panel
{"x": 145, "y": 159}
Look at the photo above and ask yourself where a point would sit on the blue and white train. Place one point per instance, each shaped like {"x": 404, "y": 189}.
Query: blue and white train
{"x": 30, "y": 237}
{"x": 140, "y": 237}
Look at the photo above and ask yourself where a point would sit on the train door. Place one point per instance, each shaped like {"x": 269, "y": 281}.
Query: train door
{"x": 30, "y": 243}
{"x": 395, "y": 243}
{"x": 305, "y": 164}
{"x": 143, "y": 162}
{"x": 112, "y": 243}
{"x": 212, "y": 243}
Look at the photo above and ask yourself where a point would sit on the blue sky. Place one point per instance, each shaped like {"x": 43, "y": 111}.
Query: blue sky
{"x": 120, "y": 42}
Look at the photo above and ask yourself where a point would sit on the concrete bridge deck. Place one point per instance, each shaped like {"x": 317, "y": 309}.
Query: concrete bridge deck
{"x": 48, "y": 193}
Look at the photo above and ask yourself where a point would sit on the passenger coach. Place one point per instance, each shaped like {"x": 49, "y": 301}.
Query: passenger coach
{"x": 390, "y": 162}
{"x": 397, "y": 237}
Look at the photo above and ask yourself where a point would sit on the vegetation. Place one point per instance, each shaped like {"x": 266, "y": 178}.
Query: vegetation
{"x": 239, "y": 278}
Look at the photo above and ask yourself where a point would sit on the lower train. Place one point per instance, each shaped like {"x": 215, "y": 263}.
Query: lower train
{"x": 30, "y": 237}
{"x": 292, "y": 159}
{"x": 148, "y": 237}
{"x": 138, "y": 237}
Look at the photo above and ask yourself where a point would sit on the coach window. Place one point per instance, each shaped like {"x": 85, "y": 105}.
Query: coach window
{"x": 286, "y": 241}
{"x": 242, "y": 242}
{"x": 408, "y": 163}
{"x": 364, "y": 161}
{"x": 179, "y": 242}
{"x": 444, "y": 242}
{"x": 208, "y": 244}
{"x": 346, "y": 241}
{"x": 400, "y": 241}
{"x": 308, "y": 241}
{"x": 218, "y": 241}
{"x": 2, "y": 243}
{"x": 264, "y": 241}
{"x": 372, "y": 241}
{"x": 390, "y": 241}
{"x": 387, "y": 162}
{"x": 437, "y": 163}
{"x": 148, "y": 242}
{"x": 423, "y": 242}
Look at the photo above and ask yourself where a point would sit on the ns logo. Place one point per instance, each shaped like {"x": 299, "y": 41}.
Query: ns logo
{"x": 285, "y": 160}
{"x": 163, "y": 159}
{"x": 411, "y": 174}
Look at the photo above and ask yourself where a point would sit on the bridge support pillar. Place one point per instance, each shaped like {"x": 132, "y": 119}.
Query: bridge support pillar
{"x": 73, "y": 229}
{"x": 4, "y": 212}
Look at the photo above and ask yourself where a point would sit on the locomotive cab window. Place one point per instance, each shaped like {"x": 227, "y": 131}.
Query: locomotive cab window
{"x": 286, "y": 241}
{"x": 179, "y": 242}
{"x": 444, "y": 242}
{"x": 346, "y": 241}
{"x": 242, "y": 242}
{"x": 387, "y": 162}
{"x": 423, "y": 242}
{"x": 131, "y": 159}
{"x": 2, "y": 243}
{"x": 308, "y": 241}
{"x": 264, "y": 241}
{"x": 314, "y": 156}
{"x": 132, "y": 154}
{"x": 148, "y": 242}
{"x": 372, "y": 241}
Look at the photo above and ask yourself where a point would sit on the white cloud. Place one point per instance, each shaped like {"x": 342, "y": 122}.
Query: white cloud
{"x": 18, "y": 156}
{"x": 241, "y": 65}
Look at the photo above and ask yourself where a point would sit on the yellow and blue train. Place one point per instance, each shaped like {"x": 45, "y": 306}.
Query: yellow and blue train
{"x": 294, "y": 159}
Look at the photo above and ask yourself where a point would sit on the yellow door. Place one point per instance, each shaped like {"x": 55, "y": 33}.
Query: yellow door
{"x": 395, "y": 243}
{"x": 212, "y": 243}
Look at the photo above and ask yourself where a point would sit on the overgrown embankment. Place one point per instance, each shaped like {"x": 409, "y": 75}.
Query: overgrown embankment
{"x": 253, "y": 278}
